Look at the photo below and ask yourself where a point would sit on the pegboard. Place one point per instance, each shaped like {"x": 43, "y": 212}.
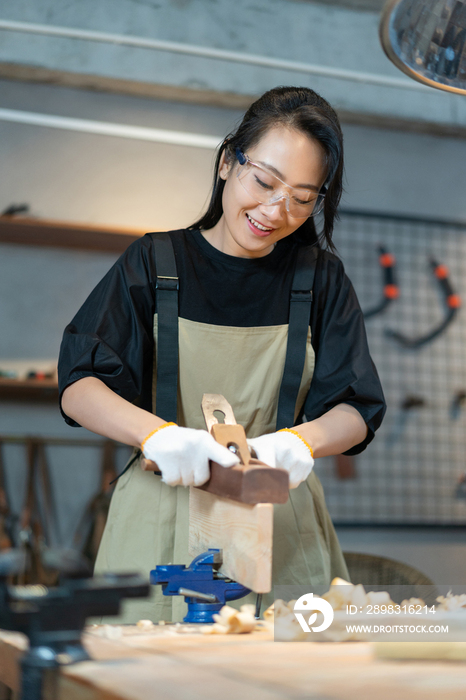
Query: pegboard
{"x": 411, "y": 471}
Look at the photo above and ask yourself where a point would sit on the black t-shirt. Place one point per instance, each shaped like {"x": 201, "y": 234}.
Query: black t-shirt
{"x": 111, "y": 336}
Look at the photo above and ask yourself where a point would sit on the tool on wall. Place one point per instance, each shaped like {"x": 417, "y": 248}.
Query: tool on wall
{"x": 230, "y": 525}
{"x": 38, "y": 518}
{"x": 15, "y": 209}
{"x": 390, "y": 287}
{"x": 37, "y": 528}
{"x": 6, "y": 522}
{"x": 410, "y": 403}
{"x": 91, "y": 528}
{"x": 457, "y": 404}
{"x": 460, "y": 489}
{"x": 452, "y": 303}
{"x": 455, "y": 412}
{"x": 345, "y": 467}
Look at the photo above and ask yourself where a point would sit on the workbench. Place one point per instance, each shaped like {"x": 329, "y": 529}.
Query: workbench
{"x": 181, "y": 663}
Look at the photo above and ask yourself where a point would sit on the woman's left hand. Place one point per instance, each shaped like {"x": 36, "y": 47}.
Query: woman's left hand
{"x": 285, "y": 449}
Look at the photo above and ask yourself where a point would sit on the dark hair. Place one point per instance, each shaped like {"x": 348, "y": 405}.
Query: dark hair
{"x": 302, "y": 109}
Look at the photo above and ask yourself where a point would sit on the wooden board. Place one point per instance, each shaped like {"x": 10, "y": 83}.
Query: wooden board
{"x": 28, "y": 390}
{"x": 174, "y": 664}
{"x": 244, "y": 533}
{"x": 58, "y": 234}
{"x": 453, "y": 651}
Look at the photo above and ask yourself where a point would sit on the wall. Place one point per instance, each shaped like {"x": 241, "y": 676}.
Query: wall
{"x": 97, "y": 179}
{"x": 326, "y": 36}
{"x": 411, "y": 473}
{"x": 128, "y": 182}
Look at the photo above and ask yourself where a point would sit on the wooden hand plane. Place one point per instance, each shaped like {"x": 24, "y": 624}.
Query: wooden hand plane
{"x": 250, "y": 481}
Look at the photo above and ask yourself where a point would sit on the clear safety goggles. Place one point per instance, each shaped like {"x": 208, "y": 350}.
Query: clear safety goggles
{"x": 267, "y": 188}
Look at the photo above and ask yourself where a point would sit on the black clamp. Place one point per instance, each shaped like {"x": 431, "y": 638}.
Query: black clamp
{"x": 452, "y": 304}
{"x": 390, "y": 288}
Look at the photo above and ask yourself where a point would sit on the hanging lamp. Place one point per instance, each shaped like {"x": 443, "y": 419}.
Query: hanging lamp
{"x": 426, "y": 39}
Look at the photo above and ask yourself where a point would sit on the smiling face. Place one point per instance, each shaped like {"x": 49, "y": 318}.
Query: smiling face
{"x": 249, "y": 229}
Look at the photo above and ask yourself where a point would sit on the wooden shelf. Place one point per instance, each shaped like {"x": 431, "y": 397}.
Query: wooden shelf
{"x": 30, "y": 390}
{"x": 57, "y": 234}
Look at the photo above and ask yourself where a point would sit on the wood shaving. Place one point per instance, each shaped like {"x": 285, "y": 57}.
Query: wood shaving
{"x": 378, "y": 598}
{"x": 343, "y": 593}
{"x": 337, "y": 581}
{"x": 110, "y": 632}
{"x": 281, "y": 618}
{"x": 451, "y": 602}
{"x": 145, "y": 624}
{"x": 412, "y": 601}
{"x": 231, "y": 621}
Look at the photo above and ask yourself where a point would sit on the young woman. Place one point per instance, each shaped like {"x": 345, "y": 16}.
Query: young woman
{"x": 277, "y": 176}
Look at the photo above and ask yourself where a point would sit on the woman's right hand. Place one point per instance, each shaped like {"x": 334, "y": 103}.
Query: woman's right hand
{"x": 182, "y": 455}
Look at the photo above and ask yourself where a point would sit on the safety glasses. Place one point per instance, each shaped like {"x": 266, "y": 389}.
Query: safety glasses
{"x": 267, "y": 188}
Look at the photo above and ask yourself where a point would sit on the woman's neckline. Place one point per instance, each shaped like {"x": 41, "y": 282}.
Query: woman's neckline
{"x": 213, "y": 252}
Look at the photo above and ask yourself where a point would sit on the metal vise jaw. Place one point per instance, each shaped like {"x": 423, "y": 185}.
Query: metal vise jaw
{"x": 204, "y": 589}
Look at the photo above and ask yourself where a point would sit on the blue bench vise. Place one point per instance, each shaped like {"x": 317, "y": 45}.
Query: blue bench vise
{"x": 205, "y": 590}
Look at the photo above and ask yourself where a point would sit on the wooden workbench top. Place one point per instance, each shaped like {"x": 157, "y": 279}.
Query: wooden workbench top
{"x": 180, "y": 663}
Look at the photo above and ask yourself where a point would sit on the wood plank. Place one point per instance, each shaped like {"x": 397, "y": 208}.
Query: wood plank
{"x": 452, "y": 651}
{"x": 159, "y": 678}
{"x": 173, "y": 663}
{"x": 184, "y": 666}
{"x": 28, "y": 389}
{"x": 12, "y": 647}
{"x": 244, "y": 533}
{"x": 59, "y": 234}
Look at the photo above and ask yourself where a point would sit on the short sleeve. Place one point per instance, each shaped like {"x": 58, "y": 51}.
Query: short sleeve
{"x": 110, "y": 337}
{"x": 344, "y": 371}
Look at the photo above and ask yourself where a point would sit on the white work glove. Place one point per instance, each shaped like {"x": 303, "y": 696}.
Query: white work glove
{"x": 183, "y": 454}
{"x": 286, "y": 450}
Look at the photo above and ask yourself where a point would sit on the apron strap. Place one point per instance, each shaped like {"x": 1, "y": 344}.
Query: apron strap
{"x": 298, "y": 326}
{"x": 166, "y": 290}
{"x": 166, "y": 294}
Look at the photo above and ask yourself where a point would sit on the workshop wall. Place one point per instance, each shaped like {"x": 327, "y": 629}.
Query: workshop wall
{"x": 341, "y": 41}
{"x": 122, "y": 182}
{"x": 413, "y": 470}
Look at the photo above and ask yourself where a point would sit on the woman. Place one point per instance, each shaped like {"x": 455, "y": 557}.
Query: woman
{"x": 281, "y": 168}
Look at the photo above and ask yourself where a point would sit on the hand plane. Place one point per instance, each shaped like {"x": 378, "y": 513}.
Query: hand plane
{"x": 250, "y": 481}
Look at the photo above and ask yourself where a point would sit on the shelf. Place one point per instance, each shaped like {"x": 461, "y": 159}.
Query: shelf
{"x": 57, "y": 234}
{"x": 30, "y": 390}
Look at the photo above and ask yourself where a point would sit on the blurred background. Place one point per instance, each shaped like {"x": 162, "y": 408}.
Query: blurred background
{"x": 110, "y": 111}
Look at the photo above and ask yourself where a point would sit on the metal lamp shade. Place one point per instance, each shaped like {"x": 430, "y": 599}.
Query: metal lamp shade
{"x": 426, "y": 39}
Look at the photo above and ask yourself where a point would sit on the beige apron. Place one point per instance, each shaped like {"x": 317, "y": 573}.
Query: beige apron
{"x": 148, "y": 520}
